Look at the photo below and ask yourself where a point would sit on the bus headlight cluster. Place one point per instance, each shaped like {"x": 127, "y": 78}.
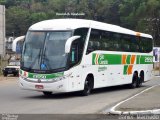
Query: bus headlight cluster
{"x": 23, "y": 77}
{"x": 61, "y": 78}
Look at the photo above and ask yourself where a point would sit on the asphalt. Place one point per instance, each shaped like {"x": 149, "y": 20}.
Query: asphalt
{"x": 145, "y": 102}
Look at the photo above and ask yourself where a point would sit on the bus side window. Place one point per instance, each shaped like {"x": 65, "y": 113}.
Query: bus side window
{"x": 105, "y": 45}
{"x": 78, "y": 45}
{"x": 74, "y": 54}
{"x": 90, "y": 47}
{"x": 96, "y": 45}
{"x": 95, "y": 37}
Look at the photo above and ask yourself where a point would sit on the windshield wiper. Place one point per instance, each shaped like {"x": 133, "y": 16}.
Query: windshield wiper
{"x": 38, "y": 56}
{"x": 45, "y": 60}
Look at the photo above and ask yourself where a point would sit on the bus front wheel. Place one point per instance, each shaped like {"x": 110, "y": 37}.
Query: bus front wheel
{"x": 47, "y": 93}
{"x": 88, "y": 86}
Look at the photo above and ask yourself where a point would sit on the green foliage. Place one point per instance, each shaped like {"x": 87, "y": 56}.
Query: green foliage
{"x": 139, "y": 15}
{"x": 17, "y": 21}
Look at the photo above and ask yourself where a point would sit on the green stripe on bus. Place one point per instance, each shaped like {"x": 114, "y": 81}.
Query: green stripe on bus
{"x": 125, "y": 69}
{"x": 144, "y": 59}
{"x": 138, "y": 59}
{"x": 105, "y": 59}
{"x": 44, "y": 76}
{"x": 128, "y": 59}
{"x": 116, "y": 59}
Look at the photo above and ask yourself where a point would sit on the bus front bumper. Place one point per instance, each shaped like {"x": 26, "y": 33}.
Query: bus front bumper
{"x": 55, "y": 87}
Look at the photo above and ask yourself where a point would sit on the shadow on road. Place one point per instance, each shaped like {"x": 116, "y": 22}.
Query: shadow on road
{"x": 78, "y": 94}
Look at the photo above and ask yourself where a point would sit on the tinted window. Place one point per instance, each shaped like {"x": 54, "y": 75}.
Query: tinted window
{"x": 78, "y": 46}
{"x": 111, "y": 41}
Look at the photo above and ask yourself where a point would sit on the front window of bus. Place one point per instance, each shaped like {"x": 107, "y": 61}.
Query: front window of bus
{"x": 45, "y": 50}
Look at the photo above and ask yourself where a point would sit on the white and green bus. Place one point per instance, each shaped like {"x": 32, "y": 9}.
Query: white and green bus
{"x": 65, "y": 55}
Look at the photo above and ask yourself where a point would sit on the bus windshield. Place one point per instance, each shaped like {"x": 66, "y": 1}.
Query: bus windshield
{"x": 45, "y": 50}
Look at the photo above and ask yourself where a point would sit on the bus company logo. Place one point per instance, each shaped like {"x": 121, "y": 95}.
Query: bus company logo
{"x": 39, "y": 76}
{"x": 99, "y": 59}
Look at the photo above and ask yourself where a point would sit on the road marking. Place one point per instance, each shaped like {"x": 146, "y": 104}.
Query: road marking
{"x": 155, "y": 111}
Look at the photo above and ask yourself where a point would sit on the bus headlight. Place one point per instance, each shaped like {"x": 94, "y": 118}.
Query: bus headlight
{"x": 59, "y": 78}
{"x": 23, "y": 77}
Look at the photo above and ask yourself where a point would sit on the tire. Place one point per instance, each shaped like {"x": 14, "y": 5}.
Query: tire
{"x": 15, "y": 75}
{"x": 5, "y": 75}
{"x": 134, "y": 81}
{"x": 140, "y": 80}
{"x": 88, "y": 86}
{"x": 47, "y": 93}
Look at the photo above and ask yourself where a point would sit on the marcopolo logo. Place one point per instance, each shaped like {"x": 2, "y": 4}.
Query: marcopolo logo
{"x": 103, "y": 68}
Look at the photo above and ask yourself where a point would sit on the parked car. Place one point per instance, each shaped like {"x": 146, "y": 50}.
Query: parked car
{"x": 12, "y": 68}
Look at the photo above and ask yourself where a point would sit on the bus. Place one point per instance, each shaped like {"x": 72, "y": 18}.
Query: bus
{"x": 65, "y": 55}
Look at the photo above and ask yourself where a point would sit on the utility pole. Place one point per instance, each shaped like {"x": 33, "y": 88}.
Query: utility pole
{"x": 159, "y": 60}
{"x": 1, "y": 64}
{"x": 2, "y": 34}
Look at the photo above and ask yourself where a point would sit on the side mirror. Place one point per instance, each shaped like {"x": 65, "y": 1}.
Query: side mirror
{"x": 69, "y": 42}
{"x": 15, "y": 43}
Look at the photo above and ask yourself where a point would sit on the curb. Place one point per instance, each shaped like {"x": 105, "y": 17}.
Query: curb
{"x": 154, "y": 111}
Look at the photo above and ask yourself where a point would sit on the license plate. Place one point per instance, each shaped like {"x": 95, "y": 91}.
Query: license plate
{"x": 9, "y": 71}
{"x": 39, "y": 86}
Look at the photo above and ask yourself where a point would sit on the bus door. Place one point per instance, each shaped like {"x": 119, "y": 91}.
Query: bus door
{"x": 74, "y": 65}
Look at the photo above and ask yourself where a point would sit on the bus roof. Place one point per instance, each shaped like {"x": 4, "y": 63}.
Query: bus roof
{"x": 70, "y": 24}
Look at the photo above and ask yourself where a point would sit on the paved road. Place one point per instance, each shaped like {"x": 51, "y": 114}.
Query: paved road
{"x": 16, "y": 101}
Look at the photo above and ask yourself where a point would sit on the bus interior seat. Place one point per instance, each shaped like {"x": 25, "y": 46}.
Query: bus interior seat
{"x": 105, "y": 45}
{"x": 116, "y": 46}
{"x": 126, "y": 47}
{"x": 90, "y": 44}
{"x": 97, "y": 45}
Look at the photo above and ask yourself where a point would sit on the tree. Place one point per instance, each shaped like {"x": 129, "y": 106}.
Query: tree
{"x": 17, "y": 21}
{"x": 143, "y": 15}
{"x": 138, "y": 15}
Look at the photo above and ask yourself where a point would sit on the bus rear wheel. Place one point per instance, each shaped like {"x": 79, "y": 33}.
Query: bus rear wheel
{"x": 134, "y": 81}
{"x": 140, "y": 80}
